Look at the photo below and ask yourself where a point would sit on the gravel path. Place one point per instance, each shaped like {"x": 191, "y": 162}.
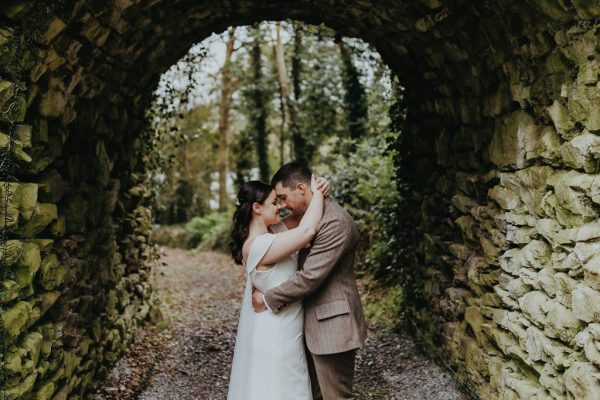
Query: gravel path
{"x": 190, "y": 357}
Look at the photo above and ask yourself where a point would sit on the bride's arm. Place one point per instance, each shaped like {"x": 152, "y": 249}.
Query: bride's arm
{"x": 289, "y": 242}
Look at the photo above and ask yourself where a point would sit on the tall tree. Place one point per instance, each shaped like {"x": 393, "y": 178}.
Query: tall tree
{"x": 301, "y": 152}
{"x": 258, "y": 115}
{"x": 227, "y": 85}
{"x": 355, "y": 99}
{"x": 284, "y": 91}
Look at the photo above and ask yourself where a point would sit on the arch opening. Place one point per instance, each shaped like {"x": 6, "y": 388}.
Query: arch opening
{"x": 500, "y": 151}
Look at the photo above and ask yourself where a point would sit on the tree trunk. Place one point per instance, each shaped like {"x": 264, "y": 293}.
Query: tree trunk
{"x": 259, "y": 116}
{"x": 355, "y": 98}
{"x": 298, "y": 141}
{"x": 284, "y": 91}
{"x": 224, "y": 106}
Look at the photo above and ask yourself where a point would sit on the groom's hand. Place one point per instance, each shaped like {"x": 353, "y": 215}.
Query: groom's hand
{"x": 258, "y": 300}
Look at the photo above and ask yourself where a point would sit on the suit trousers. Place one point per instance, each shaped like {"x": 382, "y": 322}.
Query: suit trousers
{"x": 331, "y": 375}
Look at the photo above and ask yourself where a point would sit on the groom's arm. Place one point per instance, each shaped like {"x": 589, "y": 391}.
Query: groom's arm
{"x": 331, "y": 242}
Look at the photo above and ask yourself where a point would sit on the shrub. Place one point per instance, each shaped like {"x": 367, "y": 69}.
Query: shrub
{"x": 169, "y": 235}
{"x": 365, "y": 183}
{"x": 210, "y": 232}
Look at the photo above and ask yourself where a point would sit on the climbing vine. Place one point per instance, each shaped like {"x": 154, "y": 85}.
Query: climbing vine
{"x": 12, "y": 110}
{"x": 16, "y": 42}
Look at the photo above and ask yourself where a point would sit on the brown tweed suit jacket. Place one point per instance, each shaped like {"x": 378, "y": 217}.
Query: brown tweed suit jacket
{"x": 333, "y": 315}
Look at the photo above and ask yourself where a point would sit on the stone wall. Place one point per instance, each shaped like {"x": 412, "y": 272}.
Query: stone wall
{"x": 508, "y": 243}
{"x": 500, "y": 149}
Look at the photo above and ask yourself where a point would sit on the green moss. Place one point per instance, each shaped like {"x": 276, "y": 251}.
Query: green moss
{"x": 52, "y": 272}
{"x": 15, "y": 319}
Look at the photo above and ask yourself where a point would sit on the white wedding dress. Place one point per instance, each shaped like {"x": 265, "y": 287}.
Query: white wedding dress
{"x": 269, "y": 360}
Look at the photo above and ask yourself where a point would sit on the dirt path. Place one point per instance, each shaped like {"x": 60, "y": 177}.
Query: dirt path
{"x": 190, "y": 358}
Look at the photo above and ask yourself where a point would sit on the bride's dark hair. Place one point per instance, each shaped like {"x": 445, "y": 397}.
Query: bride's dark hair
{"x": 250, "y": 193}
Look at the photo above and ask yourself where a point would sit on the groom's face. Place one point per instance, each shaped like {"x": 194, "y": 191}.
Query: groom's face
{"x": 294, "y": 199}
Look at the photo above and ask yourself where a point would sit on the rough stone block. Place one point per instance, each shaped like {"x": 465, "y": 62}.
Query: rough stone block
{"x": 15, "y": 319}
{"x": 43, "y": 215}
{"x": 534, "y": 306}
{"x": 573, "y": 192}
{"x": 513, "y": 137}
{"x": 548, "y": 146}
{"x": 505, "y": 198}
{"x": 27, "y": 265}
{"x": 561, "y": 323}
{"x": 588, "y": 73}
{"x": 586, "y": 303}
{"x": 541, "y": 348}
{"x": 584, "y": 251}
{"x": 27, "y": 199}
{"x": 515, "y": 286}
{"x": 588, "y": 339}
{"x": 588, "y": 232}
{"x": 591, "y": 270}
{"x": 9, "y": 290}
{"x": 10, "y": 192}
{"x": 582, "y": 381}
{"x": 533, "y": 186}
{"x": 582, "y": 152}
{"x": 563, "y": 122}
{"x": 11, "y": 252}
{"x": 18, "y": 154}
{"x": 584, "y": 106}
{"x": 555, "y": 234}
{"x": 21, "y": 388}
{"x": 566, "y": 285}
{"x": 505, "y": 341}
{"x": 537, "y": 254}
{"x": 552, "y": 380}
{"x": 511, "y": 261}
{"x": 52, "y": 272}
{"x": 547, "y": 282}
{"x": 519, "y": 235}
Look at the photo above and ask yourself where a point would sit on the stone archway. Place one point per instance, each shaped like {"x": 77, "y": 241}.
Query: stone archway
{"x": 501, "y": 149}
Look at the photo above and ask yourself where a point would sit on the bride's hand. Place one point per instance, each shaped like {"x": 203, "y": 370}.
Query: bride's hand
{"x": 323, "y": 186}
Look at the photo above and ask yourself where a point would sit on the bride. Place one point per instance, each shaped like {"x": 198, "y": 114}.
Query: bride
{"x": 269, "y": 361}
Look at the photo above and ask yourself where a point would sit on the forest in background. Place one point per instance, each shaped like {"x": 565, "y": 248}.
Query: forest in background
{"x": 243, "y": 102}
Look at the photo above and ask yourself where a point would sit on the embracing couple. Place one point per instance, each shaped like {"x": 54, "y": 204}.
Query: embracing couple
{"x": 301, "y": 320}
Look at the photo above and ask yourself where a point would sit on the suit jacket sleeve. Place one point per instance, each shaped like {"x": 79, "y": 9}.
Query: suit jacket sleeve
{"x": 331, "y": 242}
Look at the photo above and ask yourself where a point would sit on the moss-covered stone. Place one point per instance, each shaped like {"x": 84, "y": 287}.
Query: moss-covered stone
{"x": 15, "y": 319}
{"x": 20, "y": 388}
{"x": 9, "y": 290}
{"x": 52, "y": 272}
{"x": 28, "y": 265}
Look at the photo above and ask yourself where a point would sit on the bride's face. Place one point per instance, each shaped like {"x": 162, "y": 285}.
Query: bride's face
{"x": 270, "y": 210}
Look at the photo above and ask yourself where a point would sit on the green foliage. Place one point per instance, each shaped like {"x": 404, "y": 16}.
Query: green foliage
{"x": 364, "y": 182}
{"x": 210, "y": 232}
{"x": 318, "y": 91}
{"x": 355, "y": 100}
{"x": 382, "y": 306}
{"x": 169, "y": 235}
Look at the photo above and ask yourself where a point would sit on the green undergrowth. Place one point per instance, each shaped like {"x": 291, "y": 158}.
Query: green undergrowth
{"x": 210, "y": 232}
{"x": 383, "y": 306}
{"x": 207, "y": 233}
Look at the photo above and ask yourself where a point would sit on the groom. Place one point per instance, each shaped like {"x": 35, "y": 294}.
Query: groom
{"x": 334, "y": 324}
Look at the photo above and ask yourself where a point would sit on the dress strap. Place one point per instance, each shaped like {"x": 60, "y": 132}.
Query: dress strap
{"x": 258, "y": 249}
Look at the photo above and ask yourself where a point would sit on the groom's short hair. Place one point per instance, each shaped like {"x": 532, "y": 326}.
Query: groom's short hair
{"x": 291, "y": 174}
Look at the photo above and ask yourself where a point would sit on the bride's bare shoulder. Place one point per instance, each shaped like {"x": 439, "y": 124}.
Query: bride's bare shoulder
{"x": 246, "y": 249}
